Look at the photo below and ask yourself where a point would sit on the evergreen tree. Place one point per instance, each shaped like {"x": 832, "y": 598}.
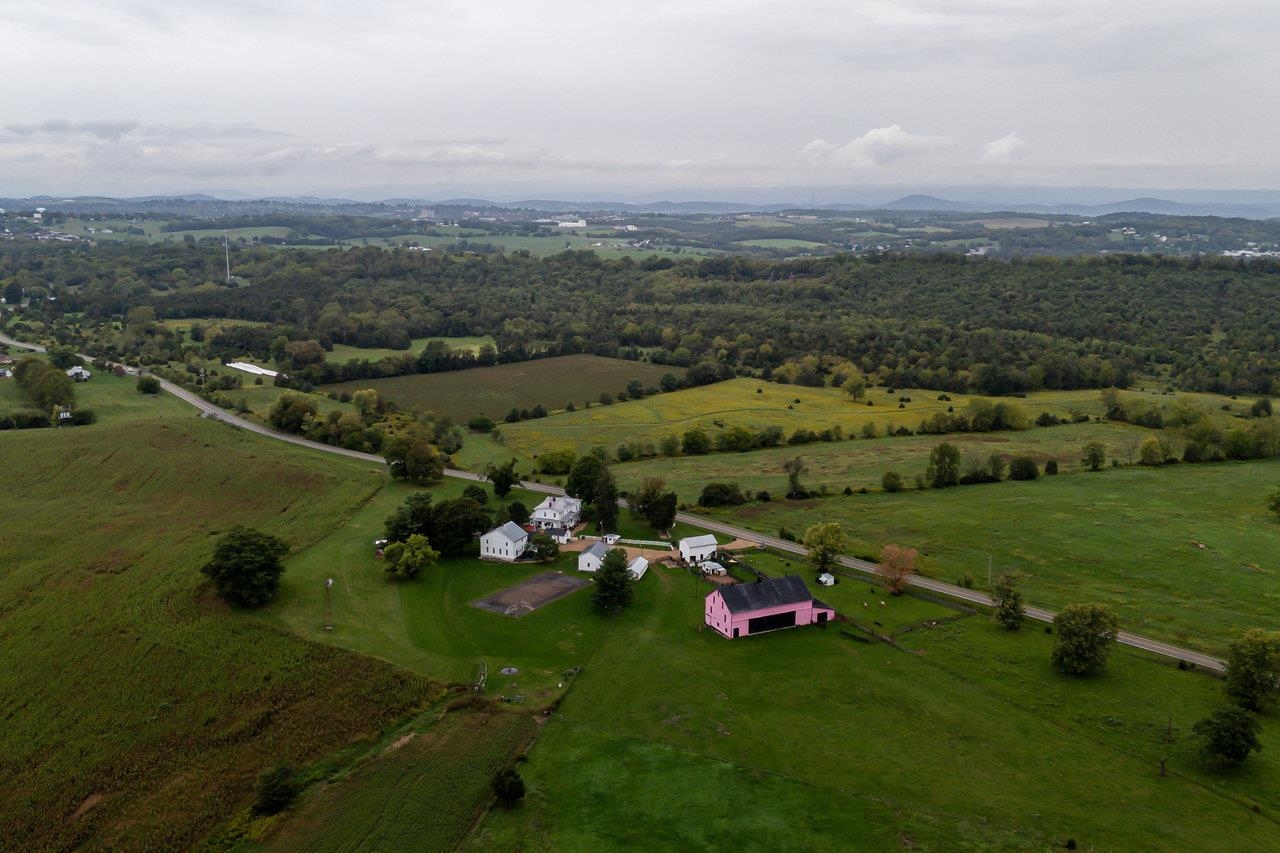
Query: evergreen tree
{"x": 613, "y": 583}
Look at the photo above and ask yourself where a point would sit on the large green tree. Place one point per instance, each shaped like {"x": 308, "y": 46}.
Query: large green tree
{"x": 1084, "y": 635}
{"x": 606, "y": 501}
{"x": 944, "y": 466}
{"x": 410, "y": 558}
{"x": 583, "y": 477}
{"x": 1253, "y": 669}
{"x": 614, "y": 585}
{"x": 245, "y": 567}
{"x": 1007, "y": 597}
{"x": 503, "y": 477}
{"x": 1228, "y": 735}
{"x": 824, "y": 541}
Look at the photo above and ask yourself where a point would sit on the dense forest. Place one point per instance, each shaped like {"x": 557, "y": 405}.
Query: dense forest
{"x": 943, "y": 321}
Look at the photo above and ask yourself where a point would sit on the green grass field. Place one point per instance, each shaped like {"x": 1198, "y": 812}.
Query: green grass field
{"x": 553, "y": 382}
{"x": 424, "y": 791}
{"x": 609, "y": 246}
{"x": 343, "y": 353}
{"x": 138, "y": 709}
{"x": 429, "y": 625}
{"x": 962, "y": 737}
{"x": 785, "y": 243}
{"x": 755, "y": 404}
{"x": 1130, "y": 537}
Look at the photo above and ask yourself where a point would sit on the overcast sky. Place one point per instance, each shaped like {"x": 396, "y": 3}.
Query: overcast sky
{"x": 432, "y": 97}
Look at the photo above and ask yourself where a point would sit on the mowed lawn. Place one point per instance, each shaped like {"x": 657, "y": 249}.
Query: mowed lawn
{"x": 493, "y": 391}
{"x": 676, "y": 739}
{"x": 1187, "y": 553}
{"x": 429, "y": 625}
{"x": 755, "y": 404}
{"x": 138, "y": 709}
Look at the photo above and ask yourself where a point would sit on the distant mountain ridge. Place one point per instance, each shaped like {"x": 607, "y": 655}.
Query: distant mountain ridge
{"x": 1266, "y": 207}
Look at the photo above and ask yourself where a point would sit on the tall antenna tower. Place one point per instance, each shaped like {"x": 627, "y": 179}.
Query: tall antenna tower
{"x": 226, "y": 248}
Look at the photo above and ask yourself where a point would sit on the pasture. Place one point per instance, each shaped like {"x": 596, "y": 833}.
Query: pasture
{"x": 961, "y": 736}
{"x": 756, "y": 404}
{"x": 344, "y": 352}
{"x": 139, "y": 709}
{"x": 783, "y": 243}
{"x": 552, "y": 382}
{"x": 1185, "y": 553}
{"x": 861, "y": 463}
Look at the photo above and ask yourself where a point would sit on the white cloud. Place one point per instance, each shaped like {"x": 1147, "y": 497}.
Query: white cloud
{"x": 1002, "y": 150}
{"x": 877, "y": 147}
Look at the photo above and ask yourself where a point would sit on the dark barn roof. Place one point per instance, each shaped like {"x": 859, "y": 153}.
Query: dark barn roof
{"x": 742, "y": 597}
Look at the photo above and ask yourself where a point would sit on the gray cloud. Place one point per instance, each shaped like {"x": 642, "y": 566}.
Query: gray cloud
{"x": 582, "y": 95}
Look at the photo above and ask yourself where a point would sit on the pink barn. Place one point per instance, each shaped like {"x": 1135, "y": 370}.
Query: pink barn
{"x": 753, "y": 608}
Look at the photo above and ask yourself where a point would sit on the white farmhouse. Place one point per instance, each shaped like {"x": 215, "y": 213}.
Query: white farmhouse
{"x": 557, "y": 511}
{"x": 590, "y": 559}
{"x": 505, "y": 543}
{"x": 79, "y": 374}
{"x": 696, "y": 549}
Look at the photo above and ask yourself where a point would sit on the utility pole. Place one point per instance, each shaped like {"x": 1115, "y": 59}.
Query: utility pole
{"x": 226, "y": 248}
{"x": 989, "y": 573}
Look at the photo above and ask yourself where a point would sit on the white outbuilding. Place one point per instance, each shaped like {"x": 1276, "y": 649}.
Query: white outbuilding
{"x": 590, "y": 559}
{"x": 638, "y": 567}
{"x": 696, "y": 549}
{"x": 506, "y": 543}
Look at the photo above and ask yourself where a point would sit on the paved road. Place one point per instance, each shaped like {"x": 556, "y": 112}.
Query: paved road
{"x": 862, "y": 566}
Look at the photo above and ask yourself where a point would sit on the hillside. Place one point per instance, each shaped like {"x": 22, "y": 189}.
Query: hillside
{"x": 138, "y": 709}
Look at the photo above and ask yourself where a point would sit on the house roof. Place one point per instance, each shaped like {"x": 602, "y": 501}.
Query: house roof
{"x": 743, "y": 597}
{"x": 512, "y": 531}
{"x": 597, "y": 549}
{"x": 638, "y": 567}
{"x": 698, "y": 541}
{"x": 559, "y": 504}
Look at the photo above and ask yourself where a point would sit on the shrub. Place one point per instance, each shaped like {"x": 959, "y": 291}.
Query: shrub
{"x": 477, "y": 493}
{"x": 891, "y": 481}
{"x": 1051, "y": 467}
{"x": 721, "y": 494}
{"x": 508, "y": 787}
{"x": 275, "y": 790}
{"x": 480, "y": 423}
{"x": 148, "y": 385}
{"x": 1023, "y": 468}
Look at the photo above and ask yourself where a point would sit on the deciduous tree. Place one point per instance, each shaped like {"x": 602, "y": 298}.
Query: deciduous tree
{"x": 503, "y": 478}
{"x": 944, "y": 466}
{"x": 245, "y": 567}
{"x": 1085, "y": 634}
{"x": 897, "y": 565}
{"x": 1253, "y": 669}
{"x": 824, "y": 541}
{"x": 1229, "y": 735}
{"x": 1095, "y": 455}
{"x": 1007, "y": 597}
{"x": 410, "y": 558}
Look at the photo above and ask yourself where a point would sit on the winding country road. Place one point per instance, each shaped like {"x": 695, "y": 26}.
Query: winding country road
{"x": 960, "y": 593}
